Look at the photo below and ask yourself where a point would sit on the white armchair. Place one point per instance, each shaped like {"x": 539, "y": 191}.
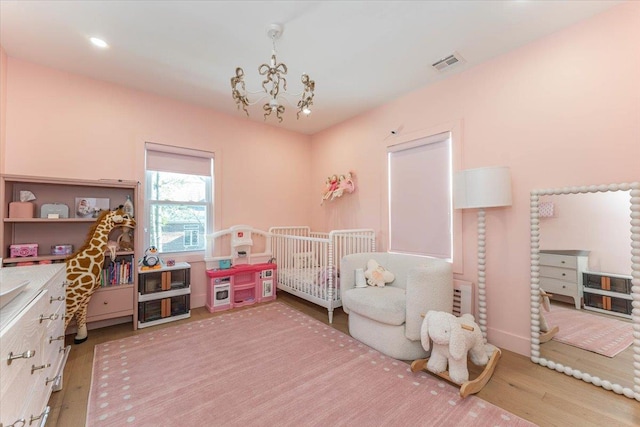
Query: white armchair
{"x": 388, "y": 318}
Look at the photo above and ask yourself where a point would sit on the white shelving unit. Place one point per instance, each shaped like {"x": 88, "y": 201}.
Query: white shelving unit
{"x": 164, "y": 294}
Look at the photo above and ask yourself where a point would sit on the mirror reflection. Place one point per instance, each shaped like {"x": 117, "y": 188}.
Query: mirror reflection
{"x": 585, "y": 269}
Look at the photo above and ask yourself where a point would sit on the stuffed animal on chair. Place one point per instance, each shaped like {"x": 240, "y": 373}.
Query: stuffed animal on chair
{"x": 452, "y": 340}
{"x": 377, "y": 275}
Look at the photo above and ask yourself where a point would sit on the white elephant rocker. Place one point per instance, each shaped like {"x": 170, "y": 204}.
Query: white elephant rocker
{"x": 451, "y": 339}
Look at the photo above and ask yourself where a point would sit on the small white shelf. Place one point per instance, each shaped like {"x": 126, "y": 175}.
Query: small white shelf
{"x": 158, "y": 299}
{"x": 163, "y": 294}
{"x": 607, "y": 293}
{"x": 164, "y": 320}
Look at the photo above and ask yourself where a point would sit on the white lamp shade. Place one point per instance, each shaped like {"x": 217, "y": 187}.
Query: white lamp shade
{"x": 482, "y": 188}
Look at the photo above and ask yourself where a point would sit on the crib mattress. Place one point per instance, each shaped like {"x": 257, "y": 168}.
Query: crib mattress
{"x": 310, "y": 276}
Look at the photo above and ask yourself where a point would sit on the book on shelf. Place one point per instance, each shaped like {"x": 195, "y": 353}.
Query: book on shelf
{"x": 118, "y": 272}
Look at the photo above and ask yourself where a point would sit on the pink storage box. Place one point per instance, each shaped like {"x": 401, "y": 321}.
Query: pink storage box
{"x": 61, "y": 249}
{"x": 21, "y": 210}
{"x": 24, "y": 250}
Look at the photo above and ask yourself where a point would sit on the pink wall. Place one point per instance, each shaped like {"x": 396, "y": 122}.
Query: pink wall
{"x": 3, "y": 105}
{"x": 597, "y": 222}
{"x": 561, "y": 111}
{"x": 3, "y": 112}
{"x": 65, "y": 125}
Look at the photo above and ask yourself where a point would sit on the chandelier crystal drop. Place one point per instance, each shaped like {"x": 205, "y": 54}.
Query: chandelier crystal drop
{"x": 274, "y": 85}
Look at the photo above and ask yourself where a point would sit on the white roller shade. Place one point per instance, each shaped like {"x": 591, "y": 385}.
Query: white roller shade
{"x": 180, "y": 160}
{"x": 420, "y": 220}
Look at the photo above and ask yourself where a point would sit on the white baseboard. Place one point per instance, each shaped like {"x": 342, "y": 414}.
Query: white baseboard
{"x": 511, "y": 342}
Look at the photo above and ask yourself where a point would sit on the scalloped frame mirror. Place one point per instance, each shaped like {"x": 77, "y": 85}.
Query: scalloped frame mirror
{"x": 634, "y": 189}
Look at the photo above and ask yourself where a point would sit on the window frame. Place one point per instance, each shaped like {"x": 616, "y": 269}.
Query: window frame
{"x": 402, "y": 154}
{"x": 454, "y": 128}
{"x": 209, "y": 192}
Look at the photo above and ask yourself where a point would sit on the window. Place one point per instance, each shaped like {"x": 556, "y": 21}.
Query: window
{"x": 420, "y": 201}
{"x": 179, "y": 198}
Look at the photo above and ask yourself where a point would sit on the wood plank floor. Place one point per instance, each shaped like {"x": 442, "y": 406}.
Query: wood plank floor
{"x": 618, "y": 369}
{"x": 530, "y": 391}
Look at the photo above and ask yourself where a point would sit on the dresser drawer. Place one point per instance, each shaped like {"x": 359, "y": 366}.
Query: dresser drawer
{"x": 25, "y": 334}
{"x": 110, "y": 302}
{"x": 46, "y": 379}
{"x": 37, "y": 404}
{"x": 559, "y": 273}
{"x": 558, "y": 287}
{"x": 50, "y": 313}
{"x": 565, "y": 261}
{"x": 53, "y": 342}
{"x": 57, "y": 292}
{"x": 32, "y": 318}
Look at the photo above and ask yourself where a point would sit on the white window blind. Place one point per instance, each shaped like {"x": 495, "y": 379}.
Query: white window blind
{"x": 165, "y": 158}
{"x": 179, "y": 198}
{"x": 420, "y": 207}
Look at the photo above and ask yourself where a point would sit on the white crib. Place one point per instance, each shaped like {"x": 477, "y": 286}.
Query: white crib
{"x": 309, "y": 262}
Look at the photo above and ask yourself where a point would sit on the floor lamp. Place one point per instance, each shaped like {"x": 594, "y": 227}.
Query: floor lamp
{"x": 482, "y": 188}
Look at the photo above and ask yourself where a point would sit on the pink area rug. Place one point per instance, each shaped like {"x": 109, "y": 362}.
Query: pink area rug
{"x": 603, "y": 335}
{"x": 269, "y": 365}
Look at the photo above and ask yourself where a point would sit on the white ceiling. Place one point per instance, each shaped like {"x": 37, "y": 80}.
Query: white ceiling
{"x": 361, "y": 54}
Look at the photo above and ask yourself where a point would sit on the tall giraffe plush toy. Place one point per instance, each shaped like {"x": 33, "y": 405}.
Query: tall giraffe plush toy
{"x": 84, "y": 268}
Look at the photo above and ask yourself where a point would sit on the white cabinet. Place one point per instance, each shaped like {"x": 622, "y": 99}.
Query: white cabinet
{"x": 164, "y": 294}
{"x": 561, "y": 273}
{"x": 31, "y": 343}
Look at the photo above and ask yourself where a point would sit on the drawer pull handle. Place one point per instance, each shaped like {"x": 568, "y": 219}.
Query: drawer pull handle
{"x": 52, "y": 299}
{"x": 26, "y": 355}
{"x": 37, "y": 368}
{"x": 20, "y": 423}
{"x": 52, "y": 339}
{"x": 50, "y": 317}
{"x": 564, "y": 274}
{"x": 42, "y": 417}
{"x": 106, "y": 302}
{"x": 47, "y": 381}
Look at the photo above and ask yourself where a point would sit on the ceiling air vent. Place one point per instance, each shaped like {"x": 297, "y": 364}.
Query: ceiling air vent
{"x": 447, "y": 62}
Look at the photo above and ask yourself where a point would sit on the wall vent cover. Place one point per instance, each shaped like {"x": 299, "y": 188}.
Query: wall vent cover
{"x": 462, "y": 297}
{"x": 447, "y": 62}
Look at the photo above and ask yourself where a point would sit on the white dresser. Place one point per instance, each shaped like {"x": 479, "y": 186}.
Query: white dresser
{"x": 32, "y": 350}
{"x": 561, "y": 272}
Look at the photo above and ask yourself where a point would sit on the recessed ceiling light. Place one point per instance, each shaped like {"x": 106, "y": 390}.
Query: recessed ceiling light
{"x": 99, "y": 42}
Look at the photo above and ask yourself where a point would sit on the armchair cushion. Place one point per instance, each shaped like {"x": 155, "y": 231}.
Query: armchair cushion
{"x": 385, "y": 305}
{"x": 429, "y": 287}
